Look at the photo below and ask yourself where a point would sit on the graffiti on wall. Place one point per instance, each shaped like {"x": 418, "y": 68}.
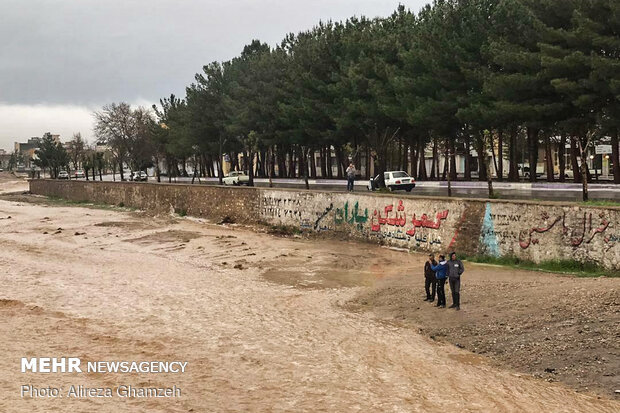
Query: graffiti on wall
{"x": 497, "y": 230}
{"x": 488, "y": 236}
{"x": 352, "y": 217}
{"x": 583, "y": 232}
{"x": 275, "y": 207}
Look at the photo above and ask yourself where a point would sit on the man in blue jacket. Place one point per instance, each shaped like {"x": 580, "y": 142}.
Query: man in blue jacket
{"x": 440, "y": 273}
{"x": 455, "y": 269}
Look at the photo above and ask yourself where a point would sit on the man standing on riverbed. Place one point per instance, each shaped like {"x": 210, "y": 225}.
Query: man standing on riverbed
{"x": 455, "y": 269}
{"x": 430, "y": 281}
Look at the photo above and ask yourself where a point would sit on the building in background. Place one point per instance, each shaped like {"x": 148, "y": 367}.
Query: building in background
{"x": 26, "y": 151}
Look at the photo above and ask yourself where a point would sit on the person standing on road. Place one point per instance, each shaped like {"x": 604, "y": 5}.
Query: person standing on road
{"x": 430, "y": 280}
{"x": 455, "y": 269}
{"x": 440, "y": 273}
{"x": 350, "y": 177}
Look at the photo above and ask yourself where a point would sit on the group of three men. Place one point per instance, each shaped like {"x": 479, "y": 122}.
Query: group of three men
{"x": 435, "y": 275}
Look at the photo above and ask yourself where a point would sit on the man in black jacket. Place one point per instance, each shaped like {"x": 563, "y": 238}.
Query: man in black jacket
{"x": 455, "y": 269}
{"x": 430, "y": 281}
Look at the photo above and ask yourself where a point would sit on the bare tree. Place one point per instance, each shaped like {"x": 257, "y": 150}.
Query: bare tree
{"x": 76, "y": 148}
{"x": 115, "y": 126}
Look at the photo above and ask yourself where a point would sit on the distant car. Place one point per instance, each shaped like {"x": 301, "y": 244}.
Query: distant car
{"x": 139, "y": 176}
{"x": 1, "y": 170}
{"x": 63, "y": 175}
{"x": 394, "y": 181}
{"x": 524, "y": 170}
{"x": 79, "y": 174}
{"x": 236, "y": 178}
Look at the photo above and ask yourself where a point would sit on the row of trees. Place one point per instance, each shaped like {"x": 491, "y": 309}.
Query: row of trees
{"x": 51, "y": 156}
{"x": 459, "y": 75}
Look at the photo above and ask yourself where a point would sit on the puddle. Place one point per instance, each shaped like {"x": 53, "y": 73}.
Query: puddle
{"x": 166, "y": 236}
{"x": 319, "y": 279}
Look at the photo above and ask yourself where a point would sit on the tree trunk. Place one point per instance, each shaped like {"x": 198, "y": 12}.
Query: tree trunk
{"x": 467, "y": 174}
{"x": 561, "y": 157}
{"x": 312, "y": 161}
{"x": 413, "y": 157}
{"x": 304, "y": 154}
{"x": 482, "y": 157}
{"x": 513, "y": 172}
{"x": 573, "y": 159}
{"x": 422, "y": 171}
{"x": 434, "y": 170}
{"x": 549, "y": 160}
{"x": 250, "y": 168}
{"x": 120, "y": 168}
{"x": 292, "y": 169}
{"x": 405, "y": 158}
{"x": 500, "y": 155}
{"x": 452, "y": 159}
{"x": 584, "y": 170}
{"x": 532, "y": 144}
{"x": 449, "y": 156}
{"x": 368, "y": 161}
{"x": 615, "y": 156}
{"x": 328, "y": 159}
{"x": 323, "y": 164}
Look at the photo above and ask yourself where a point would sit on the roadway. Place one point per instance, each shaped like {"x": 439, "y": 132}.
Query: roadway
{"x": 551, "y": 191}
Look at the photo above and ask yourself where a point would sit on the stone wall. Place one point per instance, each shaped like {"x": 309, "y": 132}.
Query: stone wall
{"x": 216, "y": 203}
{"x": 535, "y": 231}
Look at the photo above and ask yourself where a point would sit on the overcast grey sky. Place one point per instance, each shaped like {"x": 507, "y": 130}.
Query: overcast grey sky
{"x": 62, "y": 59}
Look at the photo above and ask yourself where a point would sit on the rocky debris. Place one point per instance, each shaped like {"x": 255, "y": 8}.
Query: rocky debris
{"x": 226, "y": 220}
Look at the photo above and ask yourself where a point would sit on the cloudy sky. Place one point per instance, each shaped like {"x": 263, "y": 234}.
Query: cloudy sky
{"x": 62, "y": 59}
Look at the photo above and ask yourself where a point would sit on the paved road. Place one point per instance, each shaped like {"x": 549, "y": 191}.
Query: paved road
{"x": 510, "y": 190}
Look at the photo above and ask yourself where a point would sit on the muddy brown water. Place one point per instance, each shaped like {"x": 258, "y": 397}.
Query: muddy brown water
{"x": 253, "y": 342}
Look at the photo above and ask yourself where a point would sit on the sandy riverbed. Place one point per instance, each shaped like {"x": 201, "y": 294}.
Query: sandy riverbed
{"x": 264, "y": 322}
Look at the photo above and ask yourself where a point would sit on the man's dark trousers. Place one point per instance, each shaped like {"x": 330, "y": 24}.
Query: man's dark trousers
{"x": 455, "y": 287}
{"x": 441, "y": 292}
{"x": 430, "y": 284}
{"x": 350, "y": 183}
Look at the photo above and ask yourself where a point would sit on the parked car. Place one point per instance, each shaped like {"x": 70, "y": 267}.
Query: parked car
{"x": 139, "y": 176}
{"x": 236, "y": 178}
{"x": 79, "y": 174}
{"x": 524, "y": 170}
{"x": 394, "y": 181}
{"x": 63, "y": 175}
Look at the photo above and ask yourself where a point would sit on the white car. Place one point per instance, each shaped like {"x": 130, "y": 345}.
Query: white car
{"x": 139, "y": 176}
{"x": 236, "y": 178}
{"x": 394, "y": 181}
{"x": 63, "y": 175}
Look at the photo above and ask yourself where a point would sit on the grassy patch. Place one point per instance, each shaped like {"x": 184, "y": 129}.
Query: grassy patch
{"x": 56, "y": 201}
{"x": 283, "y": 230}
{"x": 602, "y": 203}
{"x": 580, "y": 269}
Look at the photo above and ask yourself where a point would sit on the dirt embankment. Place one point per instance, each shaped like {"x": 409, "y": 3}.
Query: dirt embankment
{"x": 558, "y": 328}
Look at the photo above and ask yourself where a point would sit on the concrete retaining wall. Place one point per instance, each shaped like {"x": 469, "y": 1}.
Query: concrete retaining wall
{"x": 535, "y": 231}
{"x": 216, "y": 203}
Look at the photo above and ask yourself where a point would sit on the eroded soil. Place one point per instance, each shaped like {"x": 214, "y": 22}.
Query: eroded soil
{"x": 281, "y": 324}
